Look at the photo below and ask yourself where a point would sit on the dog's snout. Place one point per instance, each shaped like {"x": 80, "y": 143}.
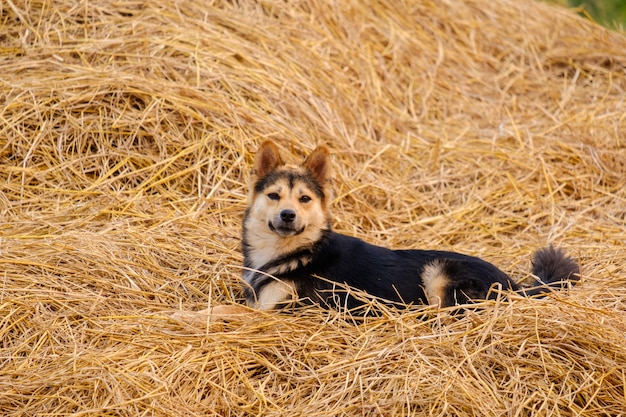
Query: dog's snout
{"x": 288, "y": 215}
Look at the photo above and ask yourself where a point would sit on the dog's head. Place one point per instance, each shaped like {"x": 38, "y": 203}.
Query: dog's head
{"x": 290, "y": 200}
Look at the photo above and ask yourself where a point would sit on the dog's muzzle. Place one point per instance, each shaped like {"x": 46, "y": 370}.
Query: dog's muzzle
{"x": 286, "y": 224}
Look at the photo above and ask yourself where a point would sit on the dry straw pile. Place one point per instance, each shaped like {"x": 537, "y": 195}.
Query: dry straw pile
{"x": 127, "y": 130}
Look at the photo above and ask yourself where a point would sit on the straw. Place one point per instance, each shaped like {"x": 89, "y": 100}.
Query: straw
{"x": 127, "y": 132}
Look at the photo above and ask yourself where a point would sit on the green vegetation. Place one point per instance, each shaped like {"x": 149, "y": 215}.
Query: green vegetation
{"x": 610, "y": 13}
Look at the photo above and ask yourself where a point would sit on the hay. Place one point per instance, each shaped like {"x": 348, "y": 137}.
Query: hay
{"x": 126, "y": 132}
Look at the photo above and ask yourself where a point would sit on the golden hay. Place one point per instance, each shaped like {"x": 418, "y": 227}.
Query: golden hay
{"x": 126, "y": 135}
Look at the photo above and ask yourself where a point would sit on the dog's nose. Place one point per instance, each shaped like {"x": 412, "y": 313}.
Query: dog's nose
{"x": 287, "y": 215}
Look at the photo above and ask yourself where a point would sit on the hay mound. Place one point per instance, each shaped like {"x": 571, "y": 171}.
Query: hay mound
{"x": 126, "y": 135}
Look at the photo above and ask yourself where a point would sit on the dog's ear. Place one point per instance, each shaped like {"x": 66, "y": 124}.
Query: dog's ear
{"x": 267, "y": 159}
{"x": 318, "y": 164}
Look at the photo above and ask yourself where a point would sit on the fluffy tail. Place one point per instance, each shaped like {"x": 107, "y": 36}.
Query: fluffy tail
{"x": 554, "y": 270}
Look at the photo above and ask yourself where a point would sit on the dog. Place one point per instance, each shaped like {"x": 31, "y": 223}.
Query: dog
{"x": 291, "y": 254}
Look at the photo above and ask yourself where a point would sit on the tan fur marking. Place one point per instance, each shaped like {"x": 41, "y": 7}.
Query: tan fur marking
{"x": 274, "y": 293}
{"x": 435, "y": 283}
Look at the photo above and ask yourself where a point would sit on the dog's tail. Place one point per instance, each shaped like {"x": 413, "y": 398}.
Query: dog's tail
{"x": 554, "y": 269}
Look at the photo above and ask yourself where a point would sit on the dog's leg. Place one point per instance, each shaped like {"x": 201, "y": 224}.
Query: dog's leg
{"x": 215, "y": 314}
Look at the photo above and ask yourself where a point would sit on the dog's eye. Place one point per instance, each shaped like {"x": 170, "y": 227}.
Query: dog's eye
{"x": 305, "y": 199}
{"x": 273, "y": 196}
